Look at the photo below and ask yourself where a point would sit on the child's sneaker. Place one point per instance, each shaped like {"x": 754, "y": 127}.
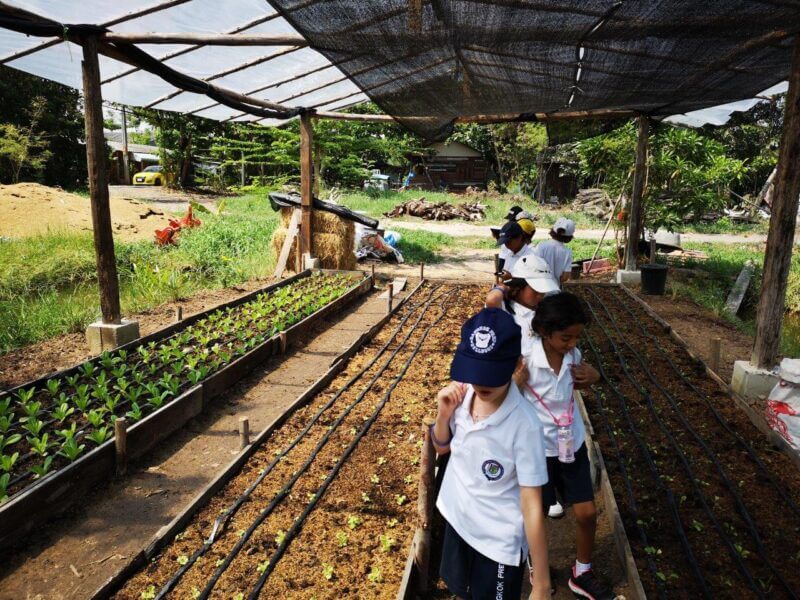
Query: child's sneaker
{"x": 589, "y": 586}
{"x": 556, "y": 511}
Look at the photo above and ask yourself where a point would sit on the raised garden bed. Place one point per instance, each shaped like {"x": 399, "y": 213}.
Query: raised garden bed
{"x": 325, "y": 506}
{"x": 57, "y": 431}
{"x": 710, "y": 507}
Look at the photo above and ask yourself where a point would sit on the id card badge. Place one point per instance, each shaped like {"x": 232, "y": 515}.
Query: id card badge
{"x": 566, "y": 447}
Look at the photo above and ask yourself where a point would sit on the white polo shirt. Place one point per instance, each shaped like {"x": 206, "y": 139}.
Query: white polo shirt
{"x": 489, "y": 461}
{"x": 556, "y": 255}
{"x": 556, "y": 391}
{"x": 511, "y": 258}
{"x": 523, "y": 316}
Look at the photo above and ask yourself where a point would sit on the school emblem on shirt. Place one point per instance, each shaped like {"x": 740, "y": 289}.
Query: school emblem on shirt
{"x": 493, "y": 470}
{"x": 482, "y": 340}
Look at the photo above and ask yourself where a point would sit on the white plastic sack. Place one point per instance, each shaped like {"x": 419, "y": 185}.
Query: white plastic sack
{"x": 783, "y": 405}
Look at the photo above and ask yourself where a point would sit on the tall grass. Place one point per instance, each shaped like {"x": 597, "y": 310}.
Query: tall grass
{"x": 48, "y": 283}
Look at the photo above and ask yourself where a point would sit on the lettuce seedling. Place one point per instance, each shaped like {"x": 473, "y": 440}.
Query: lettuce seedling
{"x": 71, "y": 449}
{"x": 72, "y": 380}
{"x": 5, "y": 422}
{"x": 327, "y": 571}
{"x": 135, "y": 413}
{"x": 62, "y": 412}
{"x": 386, "y": 543}
{"x": 52, "y": 386}
{"x": 7, "y": 461}
{"x": 44, "y": 468}
{"x": 4, "y": 479}
{"x": 100, "y": 435}
{"x": 341, "y": 539}
{"x": 25, "y": 396}
{"x": 34, "y": 426}
{"x": 375, "y": 575}
{"x": 39, "y": 445}
{"x": 96, "y": 417}
{"x": 31, "y": 410}
{"x": 68, "y": 434}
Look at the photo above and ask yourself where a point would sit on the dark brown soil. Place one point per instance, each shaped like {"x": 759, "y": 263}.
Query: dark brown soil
{"x": 725, "y": 550}
{"x": 32, "y": 362}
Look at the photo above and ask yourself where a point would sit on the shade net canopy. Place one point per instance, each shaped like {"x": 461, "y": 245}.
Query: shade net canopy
{"x": 429, "y": 62}
{"x": 289, "y": 75}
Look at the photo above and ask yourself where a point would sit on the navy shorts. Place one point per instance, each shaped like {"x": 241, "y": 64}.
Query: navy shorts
{"x": 472, "y": 576}
{"x": 572, "y": 481}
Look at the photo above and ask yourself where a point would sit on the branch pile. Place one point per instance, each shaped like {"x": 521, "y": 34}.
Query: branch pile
{"x": 438, "y": 211}
{"x": 594, "y": 201}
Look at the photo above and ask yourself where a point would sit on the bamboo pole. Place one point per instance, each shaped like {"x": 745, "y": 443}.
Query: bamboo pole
{"x": 780, "y": 239}
{"x": 608, "y": 224}
{"x": 98, "y": 185}
{"x": 635, "y": 213}
{"x": 207, "y": 39}
{"x": 306, "y": 182}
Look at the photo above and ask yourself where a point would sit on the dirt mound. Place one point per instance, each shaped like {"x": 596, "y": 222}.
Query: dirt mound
{"x": 29, "y": 208}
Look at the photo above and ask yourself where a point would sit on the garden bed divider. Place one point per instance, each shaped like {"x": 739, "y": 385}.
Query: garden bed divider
{"x": 166, "y": 534}
{"x": 602, "y": 482}
{"x": 755, "y": 418}
{"x": 54, "y": 494}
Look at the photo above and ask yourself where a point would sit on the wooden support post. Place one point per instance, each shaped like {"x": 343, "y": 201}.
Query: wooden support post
{"x": 421, "y": 271}
{"x": 780, "y": 239}
{"x": 373, "y": 273}
{"x": 126, "y": 171}
{"x": 715, "y": 360}
{"x": 635, "y": 212}
{"x": 426, "y": 496}
{"x": 653, "y": 250}
{"x": 306, "y": 181}
{"x": 389, "y": 297}
{"x": 244, "y": 432}
{"x": 284, "y": 342}
{"x": 98, "y": 185}
{"x": 121, "y": 445}
{"x": 178, "y": 314}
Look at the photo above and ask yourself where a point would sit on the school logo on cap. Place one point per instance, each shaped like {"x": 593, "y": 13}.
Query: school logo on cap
{"x": 493, "y": 470}
{"x": 482, "y": 340}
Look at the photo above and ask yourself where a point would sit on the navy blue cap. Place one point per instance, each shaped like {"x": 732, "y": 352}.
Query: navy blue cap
{"x": 510, "y": 230}
{"x": 489, "y": 349}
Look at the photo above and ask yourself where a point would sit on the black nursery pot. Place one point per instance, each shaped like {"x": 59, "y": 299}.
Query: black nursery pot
{"x": 654, "y": 279}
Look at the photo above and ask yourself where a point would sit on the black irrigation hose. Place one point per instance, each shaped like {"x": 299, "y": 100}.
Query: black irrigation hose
{"x": 684, "y": 541}
{"x": 719, "y": 418}
{"x": 709, "y": 452}
{"x": 222, "y": 521}
{"x": 623, "y": 470}
{"x": 284, "y": 492}
{"x": 682, "y": 457}
{"x": 297, "y": 525}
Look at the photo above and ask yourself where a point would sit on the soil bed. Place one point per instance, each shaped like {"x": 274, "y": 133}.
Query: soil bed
{"x": 711, "y": 509}
{"x": 334, "y": 513}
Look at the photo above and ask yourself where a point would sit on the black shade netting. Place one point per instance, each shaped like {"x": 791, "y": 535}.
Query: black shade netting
{"x": 428, "y": 62}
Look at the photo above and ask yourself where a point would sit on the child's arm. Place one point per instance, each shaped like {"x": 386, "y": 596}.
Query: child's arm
{"x": 494, "y": 299}
{"x": 533, "y": 519}
{"x": 584, "y": 375}
{"x": 449, "y": 399}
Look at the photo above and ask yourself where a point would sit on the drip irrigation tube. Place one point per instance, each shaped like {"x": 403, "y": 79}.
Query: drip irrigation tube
{"x": 684, "y": 541}
{"x": 719, "y": 418}
{"x": 709, "y": 452}
{"x": 284, "y": 492}
{"x": 623, "y": 470}
{"x": 221, "y": 522}
{"x": 298, "y": 523}
{"x": 684, "y": 461}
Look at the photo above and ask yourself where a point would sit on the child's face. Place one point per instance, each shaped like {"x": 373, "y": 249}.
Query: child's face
{"x": 490, "y": 394}
{"x": 529, "y": 297}
{"x": 565, "y": 340}
{"x": 515, "y": 244}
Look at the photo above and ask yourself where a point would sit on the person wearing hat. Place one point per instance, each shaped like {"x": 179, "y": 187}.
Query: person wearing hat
{"x": 555, "y": 251}
{"x": 492, "y": 488}
{"x": 512, "y": 247}
{"x": 528, "y": 227}
{"x": 511, "y": 215}
{"x": 519, "y": 296}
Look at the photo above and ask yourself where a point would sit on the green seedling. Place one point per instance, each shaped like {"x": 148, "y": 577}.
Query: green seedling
{"x": 43, "y": 469}
{"x": 71, "y": 450}
{"x": 31, "y": 410}
{"x": 96, "y": 417}
{"x": 62, "y": 412}
{"x": 112, "y": 402}
{"x": 149, "y": 593}
{"x": 182, "y": 559}
{"x": 81, "y": 398}
{"x": 72, "y": 380}
{"x": 4, "y": 479}
{"x": 386, "y": 543}
{"x": 353, "y": 522}
{"x": 135, "y": 413}
{"x": 25, "y": 395}
{"x": 400, "y": 499}
{"x": 34, "y": 426}
{"x": 87, "y": 369}
{"x": 365, "y": 498}
{"x": 52, "y": 386}
{"x": 68, "y": 434}
{"x": 262, "y": 567}
{"x": 327, "y": 571}
{"x": 100, "y": 435}
{"x": 405, "y": 418}
{"x": 119, "y": 371}
{"x": 5, "y": 405}
{"x": 5, "y": 422}
{"x": 697, "y": 526}
{"x": 122, "y": 385}
{"x": 375, "y": 575}
{"x": 39, "y": 445}
{"x": 341, "y": 539}
{"x": 7, "y": 461}
{"x": 381, "y": 460}
{"x": 391, "y": 523}
{"x": 408, "y": 479}
{"x": 280, "y": 537}
{"x": 374, "y": 478}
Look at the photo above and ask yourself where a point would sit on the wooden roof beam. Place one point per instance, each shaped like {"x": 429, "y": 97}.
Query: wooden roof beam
{"x": 207, "y": 39}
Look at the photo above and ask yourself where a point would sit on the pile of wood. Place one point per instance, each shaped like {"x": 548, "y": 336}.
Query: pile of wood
{"x": 438, "y": 211}
{"x": 594, "y": 201}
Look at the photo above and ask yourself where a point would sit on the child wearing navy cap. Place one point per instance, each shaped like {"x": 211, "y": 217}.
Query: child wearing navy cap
{"x": 491, "y": 495}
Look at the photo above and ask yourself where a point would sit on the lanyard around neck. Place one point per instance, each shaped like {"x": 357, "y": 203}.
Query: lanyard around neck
{"x": 568, "y": 414}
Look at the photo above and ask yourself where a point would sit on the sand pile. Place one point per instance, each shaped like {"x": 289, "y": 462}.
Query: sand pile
{"x": 29, "y": 208}
{"x": 332, "y": 242}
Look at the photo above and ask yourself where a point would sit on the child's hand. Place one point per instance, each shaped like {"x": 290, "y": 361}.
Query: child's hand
{"x": 584, "y": 375}
{"x": 521, "y": 375}
{"x": 450, "y": 398}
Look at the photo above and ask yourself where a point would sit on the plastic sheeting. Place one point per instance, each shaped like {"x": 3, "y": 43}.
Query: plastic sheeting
{"x": 258, "y": 71}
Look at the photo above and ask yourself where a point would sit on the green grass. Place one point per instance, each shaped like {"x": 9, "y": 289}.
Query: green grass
{"x": 48, "y": 282}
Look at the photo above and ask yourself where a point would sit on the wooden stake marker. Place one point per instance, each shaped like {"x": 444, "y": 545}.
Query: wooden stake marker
{"x": 121, "y": 445}
{"x": 716, "y": 354}
{"x": 422, "y": 271}
{"x": 178, "y": 314}
{"x": 389, "y": 297}
{"x": 244, "y": 432}
{"x": 425, "y": 499}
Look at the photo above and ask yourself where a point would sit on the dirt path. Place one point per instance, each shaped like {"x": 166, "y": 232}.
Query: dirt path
{"x": 461, "y": 229}
{"x": 116, "y": 521}
{"x": 172, "y": 201}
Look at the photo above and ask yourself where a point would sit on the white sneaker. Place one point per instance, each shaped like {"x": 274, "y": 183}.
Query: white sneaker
{"x": 556, "y": 511}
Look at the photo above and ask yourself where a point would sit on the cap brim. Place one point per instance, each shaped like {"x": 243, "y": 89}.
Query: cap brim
{"x": 544, "y": 285}
{"x": 479, "y": 371}
{"x": 502, "y": 239}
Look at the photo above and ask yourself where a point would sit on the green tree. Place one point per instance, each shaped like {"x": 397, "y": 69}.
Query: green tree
{"x": 25, "y": 147}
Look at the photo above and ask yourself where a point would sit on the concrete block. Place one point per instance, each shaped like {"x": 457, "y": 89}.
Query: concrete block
{"x": 107, "y": 336}
{"x": 752, "y": 382}
{"x": 629, "y": 277}
{"x": 310, "y": 262}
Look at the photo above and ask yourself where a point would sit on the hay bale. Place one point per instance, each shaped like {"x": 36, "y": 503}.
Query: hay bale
{"x": 332, "y": 242}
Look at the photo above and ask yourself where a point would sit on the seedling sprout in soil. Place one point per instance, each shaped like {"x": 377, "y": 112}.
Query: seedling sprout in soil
{"x": 139, "y": 382}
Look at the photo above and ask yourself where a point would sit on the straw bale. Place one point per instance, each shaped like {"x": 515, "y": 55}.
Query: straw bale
{"x": 334, "y": 250}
